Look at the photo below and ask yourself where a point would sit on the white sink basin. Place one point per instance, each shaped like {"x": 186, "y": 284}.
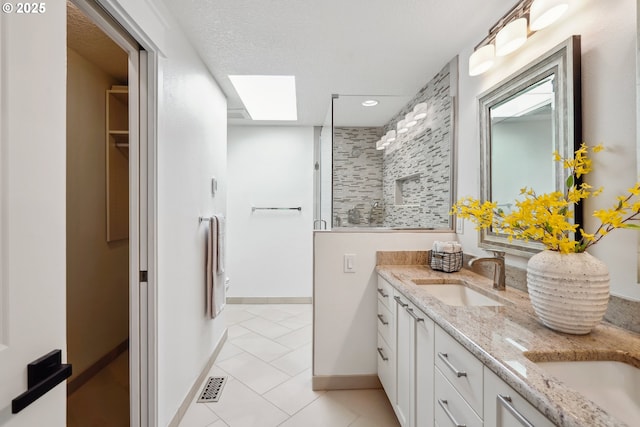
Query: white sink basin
{"x": 615, "y": 386}
{"x": 457, "y": 295}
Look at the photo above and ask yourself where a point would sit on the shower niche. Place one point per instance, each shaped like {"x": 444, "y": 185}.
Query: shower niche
{"x": 407, "y": 191}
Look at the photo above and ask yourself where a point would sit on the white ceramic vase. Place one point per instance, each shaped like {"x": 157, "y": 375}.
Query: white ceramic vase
{"x": 569, "y": 292}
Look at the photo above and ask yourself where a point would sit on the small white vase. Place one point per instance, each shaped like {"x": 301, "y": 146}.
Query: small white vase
{"x": 569, "y": 292}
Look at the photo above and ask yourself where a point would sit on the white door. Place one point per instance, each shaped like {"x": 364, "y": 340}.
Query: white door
{"x": 32, "y": 204}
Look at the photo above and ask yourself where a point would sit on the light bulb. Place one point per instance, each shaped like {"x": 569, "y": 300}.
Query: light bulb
{"x": 545, "y": 12}
{"x": 481, "y": 60}
{"x": 511, "y": 37}
{"x": 420, "y": 111}
{"x": 402, "y": 127}
{"x": 391, "y": 136}
{"x": 410, "y": 120}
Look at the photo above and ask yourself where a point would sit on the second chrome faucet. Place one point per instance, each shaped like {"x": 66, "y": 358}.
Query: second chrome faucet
{"x": 499, "y": 271}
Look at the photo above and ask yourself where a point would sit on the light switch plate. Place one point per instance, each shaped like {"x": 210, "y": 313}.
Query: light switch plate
{"x": 349, "y": 263}
{"x": 214, "y": 186}
{"x": 459, "y": 225}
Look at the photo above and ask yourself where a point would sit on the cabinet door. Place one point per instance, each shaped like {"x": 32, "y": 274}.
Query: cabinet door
{"x": 424, "y": 399}
{"x": 503, "y": 407}
{"x": 405, "y": 359}
{"x": 386, "y": 368}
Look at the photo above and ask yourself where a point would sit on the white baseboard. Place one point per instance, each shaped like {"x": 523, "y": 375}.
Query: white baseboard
{"x": 269, "y": 300}
{"x": 196, "y": 386}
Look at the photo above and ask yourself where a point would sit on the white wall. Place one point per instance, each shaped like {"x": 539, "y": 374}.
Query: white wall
{"x": 344, "y": 336}
{"x": 608, "y": 30}
{"x": 191, "y": 150}
{"x": 270, "y": 252}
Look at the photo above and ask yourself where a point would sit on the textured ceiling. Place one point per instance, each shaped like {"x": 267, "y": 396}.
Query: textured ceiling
{"x": 349, "y": 111}
{"x": 384, "y": 47}
{"x": 94, "y": 45}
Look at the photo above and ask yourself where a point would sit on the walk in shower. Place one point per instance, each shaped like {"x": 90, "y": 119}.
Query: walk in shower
{"x": 406, "y": 185}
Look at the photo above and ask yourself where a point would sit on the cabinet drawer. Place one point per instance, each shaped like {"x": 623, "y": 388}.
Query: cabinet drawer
{"x": 385, "y": 292}
{"x": 504, "y": 407}
{"x": 386, "y": 323}
{"x": 386, "y": 368}
{"x": 461, "y": 368}
{"x": 450, "y": 408}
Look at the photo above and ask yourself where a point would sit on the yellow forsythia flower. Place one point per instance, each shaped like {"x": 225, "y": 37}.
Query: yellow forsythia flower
{"x": 548, "y": 218}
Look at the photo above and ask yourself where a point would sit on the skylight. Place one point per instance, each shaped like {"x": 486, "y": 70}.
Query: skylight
{"x": 267, "y": 97}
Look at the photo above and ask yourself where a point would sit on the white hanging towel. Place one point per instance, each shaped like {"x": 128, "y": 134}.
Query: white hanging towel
{"x": 221, "y": 244}
{"x": 215, "y": 292}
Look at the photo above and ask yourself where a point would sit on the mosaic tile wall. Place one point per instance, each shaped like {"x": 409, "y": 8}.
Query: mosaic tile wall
{"x": 357, "y": 177}
{"x": 417, "y": 167}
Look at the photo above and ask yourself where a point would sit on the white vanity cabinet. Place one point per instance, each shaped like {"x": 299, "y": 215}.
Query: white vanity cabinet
{"x": 504, "y": 407}
{"x": 433, "y": 380}
{"x": 386, "y": 338}
{"x": 414, "y": 355}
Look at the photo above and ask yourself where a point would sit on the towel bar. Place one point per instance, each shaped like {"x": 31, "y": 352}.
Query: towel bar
{"x": 207, "y": 218}
{"x": 297, "y": 208}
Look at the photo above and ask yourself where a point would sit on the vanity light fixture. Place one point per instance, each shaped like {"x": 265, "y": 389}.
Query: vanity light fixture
{"x": 410, "y": 120}
{"x": 545, "y": 12}
{"x": 420, "y": 111}
{"x": 402, "y": 127}
{"x": 511, "y": 37}
{"x": 370, "y": 103}
{"x": 511, "y": 32}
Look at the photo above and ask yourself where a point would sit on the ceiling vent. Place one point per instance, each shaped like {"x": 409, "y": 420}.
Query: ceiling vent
{"x": 238, "y": 113}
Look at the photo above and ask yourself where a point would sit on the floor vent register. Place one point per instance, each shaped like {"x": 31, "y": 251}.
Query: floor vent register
{"x": 212, "y": 390}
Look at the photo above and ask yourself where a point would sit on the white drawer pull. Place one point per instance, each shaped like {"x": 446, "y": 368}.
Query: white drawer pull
{"x": 445, "y": 407}
{"x": 445, "y": 358}
{"x": 381, "y": 292}
{"x": 381, "y": 318}
{"x": 506, "y": 402}
{"x": 385, "y": 358}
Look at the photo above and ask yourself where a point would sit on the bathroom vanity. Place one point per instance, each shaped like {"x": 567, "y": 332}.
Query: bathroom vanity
{"x": 454, "y": 351}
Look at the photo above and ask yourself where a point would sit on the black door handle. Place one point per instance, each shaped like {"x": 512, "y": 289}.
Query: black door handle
{"x": 43, "y": 374}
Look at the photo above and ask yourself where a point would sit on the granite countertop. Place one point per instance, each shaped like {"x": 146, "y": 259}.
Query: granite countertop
{"x": 500, "y": 336}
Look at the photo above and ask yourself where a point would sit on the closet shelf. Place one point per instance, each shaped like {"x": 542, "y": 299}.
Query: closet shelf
{"x": 120, "y": 137}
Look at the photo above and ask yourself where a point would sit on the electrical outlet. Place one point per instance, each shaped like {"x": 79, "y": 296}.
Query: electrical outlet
{"x": 349, "y": 263}
{"x": 459, "y": 225}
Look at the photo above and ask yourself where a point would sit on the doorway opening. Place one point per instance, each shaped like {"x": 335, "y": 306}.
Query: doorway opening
{"x": 98, "y": 249}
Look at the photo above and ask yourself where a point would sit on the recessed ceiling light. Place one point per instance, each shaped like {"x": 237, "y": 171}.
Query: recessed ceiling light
{"x": 369, "y": 103}
{"x": 267, "y": 97}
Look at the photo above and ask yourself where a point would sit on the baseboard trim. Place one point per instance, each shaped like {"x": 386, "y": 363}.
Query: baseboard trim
{"x": 345, "y": 382}
{"x": 84, "y": 376}
{"x": 196, "y": 385}
{"x": 269, "y": 300}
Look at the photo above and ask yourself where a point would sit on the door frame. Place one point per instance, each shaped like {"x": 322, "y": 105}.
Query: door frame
{"x": 143, "y": 74}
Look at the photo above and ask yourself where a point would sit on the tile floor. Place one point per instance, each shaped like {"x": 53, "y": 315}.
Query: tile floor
{"x": 267, "y": 362}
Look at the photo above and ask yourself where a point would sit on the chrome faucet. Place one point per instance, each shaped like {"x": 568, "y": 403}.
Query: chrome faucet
{"x": 498, "y": 272}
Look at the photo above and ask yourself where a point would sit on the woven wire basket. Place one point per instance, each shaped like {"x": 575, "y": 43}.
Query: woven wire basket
{"x": 445, "y": 261}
